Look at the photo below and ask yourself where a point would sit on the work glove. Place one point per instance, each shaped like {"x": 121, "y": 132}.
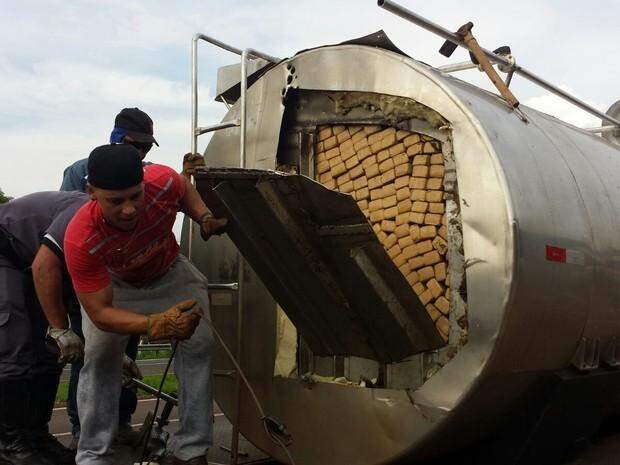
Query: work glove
{"x": 191, "y": 161}
{"x": 70, "y": 345}
{"x": 130, "y": 371}
{"x": 175, "y": 323}
{"x": 210, "y": 225}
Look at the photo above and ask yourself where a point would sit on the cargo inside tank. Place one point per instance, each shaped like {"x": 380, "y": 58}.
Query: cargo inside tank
{"x": 393, "y": 159}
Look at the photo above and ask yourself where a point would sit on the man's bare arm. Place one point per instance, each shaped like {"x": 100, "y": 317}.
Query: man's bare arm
{"x": 106, "y": 317}
{"x": 192, "y": 204}
{"x": 47, "y": 269}
{"x": 175, "y": 323}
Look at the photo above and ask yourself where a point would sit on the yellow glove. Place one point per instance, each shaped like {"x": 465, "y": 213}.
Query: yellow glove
{"x": 175, "y": 323}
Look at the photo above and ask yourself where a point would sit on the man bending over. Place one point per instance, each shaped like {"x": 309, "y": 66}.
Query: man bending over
{"x": 125, "y": 266}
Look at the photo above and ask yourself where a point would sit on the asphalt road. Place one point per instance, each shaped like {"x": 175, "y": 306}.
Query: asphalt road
{"x": 603, "y": 450}
{"x": 61, "y": 427}
{"x": 218, "y": 455}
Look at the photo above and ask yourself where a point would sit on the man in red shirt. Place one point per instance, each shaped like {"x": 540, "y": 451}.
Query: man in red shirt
{"x": 125, "y": 266}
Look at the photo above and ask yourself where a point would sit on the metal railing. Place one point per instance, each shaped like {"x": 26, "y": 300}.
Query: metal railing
{"x": 424, "y": 23}
{"x": 196, "y": 131}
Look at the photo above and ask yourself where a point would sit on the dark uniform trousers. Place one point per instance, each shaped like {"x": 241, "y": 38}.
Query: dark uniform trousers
{"x": 29, "y": 372}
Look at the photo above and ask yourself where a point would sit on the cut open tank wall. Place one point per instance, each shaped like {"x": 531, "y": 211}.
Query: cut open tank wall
{"x": 404, "y": 182}
{"x": 396, "y": 177}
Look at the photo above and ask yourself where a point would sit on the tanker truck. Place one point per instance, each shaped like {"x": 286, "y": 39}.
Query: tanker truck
{"x": 411, "y": 265}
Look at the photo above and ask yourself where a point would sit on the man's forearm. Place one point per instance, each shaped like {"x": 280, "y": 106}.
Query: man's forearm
{"x": 192, "y": 204}
{"x": 48, "y": 285}
{"x": 118, "y": 320}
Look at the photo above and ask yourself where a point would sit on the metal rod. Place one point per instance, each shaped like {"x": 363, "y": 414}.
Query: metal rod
{"x": 457, "y": 67}
{"x": 144, "y": 347}
{"x": 227, "y": 449}
{"x": 194, "y": 136}
{"x": 424, "y": 23}
{"x": 242, "y": 133}
{"x": 509, "y": 77}
{"x": 243, "y": 103}
{"x": 237, "y": 419}
{"x": 224, "y": 46}
{"x": 151, "y": 390}
{"x": 603, "y": 129}
{"x": 223, "y": 287}
{"x": 195, "y": 131}
{"x": 216, "y": 127}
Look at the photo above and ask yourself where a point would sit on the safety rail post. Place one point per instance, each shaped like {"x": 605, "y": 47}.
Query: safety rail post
{"x": 243, "y": 102}
{"x": 234, "y": 445}
{"x": 197, "y": 131}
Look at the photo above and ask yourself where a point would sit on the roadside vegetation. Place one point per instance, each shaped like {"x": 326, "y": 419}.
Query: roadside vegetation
{"x": 3, "y": 197}
{"x": 170, "y": 385}
{"x": 153, "y": 354}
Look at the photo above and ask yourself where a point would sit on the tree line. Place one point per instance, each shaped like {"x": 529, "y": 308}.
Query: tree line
{"x": 4, "y": 198}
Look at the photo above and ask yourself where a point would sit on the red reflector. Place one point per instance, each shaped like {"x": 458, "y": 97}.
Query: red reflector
{"x": 556, "y": 254}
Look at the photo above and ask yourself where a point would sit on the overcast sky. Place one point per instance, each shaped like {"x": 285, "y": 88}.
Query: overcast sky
{"x": 67, "y": 68}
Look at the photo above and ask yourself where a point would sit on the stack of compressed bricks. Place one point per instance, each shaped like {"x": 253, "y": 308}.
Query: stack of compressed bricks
{"x": 396, "y": 177}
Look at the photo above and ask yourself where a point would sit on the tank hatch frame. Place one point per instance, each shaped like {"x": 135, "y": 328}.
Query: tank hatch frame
{"x": 320, "y": 259}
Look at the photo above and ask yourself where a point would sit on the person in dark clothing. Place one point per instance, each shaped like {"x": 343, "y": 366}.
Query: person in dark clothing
{"x": 33, "y": 281}
{"x": 131, "y": 126}
{"x": 134, "y": 127}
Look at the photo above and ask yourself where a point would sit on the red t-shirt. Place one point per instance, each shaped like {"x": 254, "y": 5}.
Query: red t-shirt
{"x": 94, "y": 250}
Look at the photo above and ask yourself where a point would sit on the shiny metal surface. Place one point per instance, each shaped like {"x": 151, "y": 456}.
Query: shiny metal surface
{"x": 609, "y": 133}
{"x": 523, "y": 187}
{"x": 216, "y": 127}
{"x": 409, "y": 15}
{"x": 454, "y": 67}
{"x": 602, "y": 129}
{"x": 228, "y": 76}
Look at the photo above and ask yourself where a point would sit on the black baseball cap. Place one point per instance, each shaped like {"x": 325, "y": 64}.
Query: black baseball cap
{"x": 139, "y": 125}
{"x": 115, "y": 167}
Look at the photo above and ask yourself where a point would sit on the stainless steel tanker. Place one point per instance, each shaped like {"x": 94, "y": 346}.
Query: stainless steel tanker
{"x": 535, "y": 289}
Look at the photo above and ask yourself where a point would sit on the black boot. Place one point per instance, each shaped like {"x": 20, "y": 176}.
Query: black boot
{"x": 41, "y": 407}
{"x": 16, "y": 445}
{"x": 18, "y": 448}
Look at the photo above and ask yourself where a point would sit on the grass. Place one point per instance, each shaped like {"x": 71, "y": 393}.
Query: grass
{"x": 170, "y": 385}
{"x": 62, "y": 392}
{"x": 152, "y": 354}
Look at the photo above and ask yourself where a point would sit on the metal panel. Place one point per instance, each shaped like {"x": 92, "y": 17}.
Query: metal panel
{"x": 228, "y": 79}
{"x": 522, "y": 187}
{"x": 320, "y": 258}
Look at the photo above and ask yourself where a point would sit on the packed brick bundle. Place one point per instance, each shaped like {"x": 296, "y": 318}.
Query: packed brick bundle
{"x": 396, "y": 177}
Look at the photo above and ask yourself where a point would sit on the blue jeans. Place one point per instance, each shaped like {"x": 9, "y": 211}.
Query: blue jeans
{"x": 192, "y": 366}
{"x": 128, "y": 400}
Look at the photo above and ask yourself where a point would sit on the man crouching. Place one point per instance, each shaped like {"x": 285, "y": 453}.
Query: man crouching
{"x": 125, "y": 266}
